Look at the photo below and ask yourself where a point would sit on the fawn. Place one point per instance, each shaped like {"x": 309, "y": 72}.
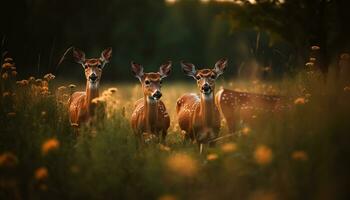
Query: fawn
{"x": 198, "y": 115}
{"x": 150, "y": 115}
{"x": 81, "y": 108}
{"x": 235, "y": 105}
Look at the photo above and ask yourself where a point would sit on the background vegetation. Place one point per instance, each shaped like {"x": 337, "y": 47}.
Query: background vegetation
{"x": 274, "y": 47}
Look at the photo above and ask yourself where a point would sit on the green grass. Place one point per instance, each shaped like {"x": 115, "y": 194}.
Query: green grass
{"x": 104, "y": 162}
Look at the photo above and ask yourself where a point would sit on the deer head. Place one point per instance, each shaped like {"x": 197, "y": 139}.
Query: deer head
{"x": 93, "y": 67}
{"x": 205, "y": 77}
{"x": 151, "y": 82}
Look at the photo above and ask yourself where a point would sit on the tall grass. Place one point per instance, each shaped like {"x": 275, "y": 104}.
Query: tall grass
{"x": 297, "y": 154}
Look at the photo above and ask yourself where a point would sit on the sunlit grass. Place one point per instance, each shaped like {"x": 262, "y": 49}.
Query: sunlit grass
{"x": 294, "y": 154}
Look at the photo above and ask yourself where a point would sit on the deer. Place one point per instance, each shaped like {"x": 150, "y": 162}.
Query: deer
{"x": 150, "y": 114}
{"x": 198, "y": 115}
{"x": 235, "y": 106}
{"x": 81, "y": 108}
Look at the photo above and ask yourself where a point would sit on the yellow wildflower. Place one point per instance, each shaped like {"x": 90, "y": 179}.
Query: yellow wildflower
{"x": 6, "y": 66}
{"x": 182, "y": 164}
{"x": 49, "y": 145}
{"x": 300, "y": 155}
{"x": 309, "y": 64}
{"x": 164, "y": 148}
{"x": 49, "y": 77}
{"x": 41, "y": 173}
{"x": 39, "y": 81}
{"x": 112, "y": 90}
{"x": 229, "y": 147}
{"x": 245, "y": 130}
{"x": 72, "y": 86}
{"x": 312, "y": 59}
{"x": 31, "y": 79}
{"x": 212, "y": 156}
{"x": 263, "y": 155}
{"x": 8, "y": 59}
{"x": 167, "y": 197}
{"x": 8, "y": 159}
{"x": 315, "y": 48}
{"x": 5, "y": 76}
{"x": 300, "y": 101}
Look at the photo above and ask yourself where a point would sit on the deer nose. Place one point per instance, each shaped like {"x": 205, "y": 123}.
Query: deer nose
{"x": 206, "y": 87}
{"x": 157, "y": 94}
{"x": 93, "y": 77}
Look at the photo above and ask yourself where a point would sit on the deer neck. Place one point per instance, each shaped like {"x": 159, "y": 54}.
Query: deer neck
{"x": 91, "y": 93}
{"x": 151, "y": 112}
{"x": 206, "y": 110}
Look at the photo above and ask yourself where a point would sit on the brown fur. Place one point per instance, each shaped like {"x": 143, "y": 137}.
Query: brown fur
{"x": 235, "y": 105}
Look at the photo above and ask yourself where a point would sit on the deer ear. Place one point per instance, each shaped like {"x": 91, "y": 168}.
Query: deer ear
{"x": 220, "y": 66}
{"x": 164, "y": 69}
{"x": 79, "y": 56}
{"x": 137, "y": 69}
{"x": 106, "y": 55}
{"x": 189, "y": 69}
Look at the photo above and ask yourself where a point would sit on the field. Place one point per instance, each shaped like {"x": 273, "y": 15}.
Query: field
{"x": 301, "y": 153}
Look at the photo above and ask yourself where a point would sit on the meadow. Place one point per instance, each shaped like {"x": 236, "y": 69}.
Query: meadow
{"x": 301, "y": 153}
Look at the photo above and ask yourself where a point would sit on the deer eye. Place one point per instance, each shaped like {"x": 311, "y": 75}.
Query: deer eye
{"x": 160, "y": 82}
{"x": 99, "y": 66}
{"x": 147, "y": 82}
{"x": 198, "y": 77}
{"x": 212, "y": 76}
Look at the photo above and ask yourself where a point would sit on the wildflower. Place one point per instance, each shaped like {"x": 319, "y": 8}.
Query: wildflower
{"x": 5, "y": 76}
{"x": 6, "y": 66}
{"x": 300, "y": 101}
{"x": 31, "y": 79}
{"x": 49, "y": 77}
{"x": 263, "y": 155}
{"x": 22, "y": 83}
{"x": 182, "y": 164}
{"x": 41, "y": 173}
{"x": 228, "y": 147}
{"x": 8, "y": 159}
{"x": 112, "y": 90}
{"x": 98, "y": 100}
{"x": 167, "y": 197}
{"x": 11, "y": 114}
{"x": 49, "y": 145}
{"x": 300, "y": 156}
{"x": 164, "y": 148}
{"x": 72, "y": 86}
{"x": 212, "y": 156}
{"x": 309, "y": 64}
{"x": 38, "y": 81}
{"x": 312, "y": 59}
{"x": 8, "y": 59}
{"x": 315, "y": 48}
{"x": 61, "y": 88}
{"x": 245, "y": 130}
